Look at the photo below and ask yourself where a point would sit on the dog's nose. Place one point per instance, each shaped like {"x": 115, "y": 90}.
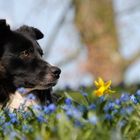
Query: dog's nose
{"x": 55, "y": 70}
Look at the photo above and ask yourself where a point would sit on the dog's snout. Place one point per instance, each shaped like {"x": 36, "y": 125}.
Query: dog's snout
{"x": 55, "y": 70}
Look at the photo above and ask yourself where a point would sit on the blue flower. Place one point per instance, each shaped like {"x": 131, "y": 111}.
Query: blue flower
{"x": 109, "y": 106}
{"x": 108, "y": 117}
{"x": 27, "y": 128}
{"x": 129, "y": 109}
{"x": 126, "y": 110}
{"x": 124, "y": 97}
{"x": 31, "y": 96}
{"x": 74, "y": 113}
{"x": 52, "y": 108}
{"x": 117, "y": 102}
{"x": 41, "y": 119}
{"x": 92, "y": 107}
{"x": 68, "y": 101}
{"x": 123, "y": 111}
{"x": 45, "y": 110}
{"x": 133, "y": 99}
{"x": 101, "y": 99}
{"x": 22, "y": 90}
{"x": 7, "y": 125}
{"x": 11, "y": 115}
{"x": 2, "y": 120}
{"x": 13, "y": 120}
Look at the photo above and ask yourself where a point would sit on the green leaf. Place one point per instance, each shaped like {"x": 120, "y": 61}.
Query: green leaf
{"x": 77, "y": 97}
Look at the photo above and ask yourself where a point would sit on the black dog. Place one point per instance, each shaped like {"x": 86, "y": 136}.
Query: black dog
{"x": 21, "y": 63}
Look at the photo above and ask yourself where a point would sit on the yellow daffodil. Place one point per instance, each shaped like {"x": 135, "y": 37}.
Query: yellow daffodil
{"x": 102, "y": 87}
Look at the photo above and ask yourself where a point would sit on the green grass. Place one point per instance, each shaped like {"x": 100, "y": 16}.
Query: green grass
{"x": 78, "y": 115}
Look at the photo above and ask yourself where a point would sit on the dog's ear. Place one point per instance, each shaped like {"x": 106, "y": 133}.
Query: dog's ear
{"x": 33, "y": 32}
{"x": 4, "y": 34}
{"x": 4, "y": 28}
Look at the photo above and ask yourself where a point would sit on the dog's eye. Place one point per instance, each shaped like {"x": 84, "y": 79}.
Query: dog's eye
{"x": 25, "y": 53}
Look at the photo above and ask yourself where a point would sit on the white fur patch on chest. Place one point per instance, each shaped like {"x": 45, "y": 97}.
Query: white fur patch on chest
{"x": 17, "y": 100}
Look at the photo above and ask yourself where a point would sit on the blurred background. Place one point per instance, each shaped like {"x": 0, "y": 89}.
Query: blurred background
{"x": 85, "y": 38}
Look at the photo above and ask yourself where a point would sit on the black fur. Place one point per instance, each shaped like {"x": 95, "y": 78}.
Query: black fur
{"x": 21, "y": 63}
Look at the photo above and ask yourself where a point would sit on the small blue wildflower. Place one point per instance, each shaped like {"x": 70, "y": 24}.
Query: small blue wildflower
{"x": 68, "y": 101}
{"x": 124, "y": 97}
{"x": 6, "y": 125}
{"x": 31, "y": 96}
{"x": 117, "y": 102}
{"x": 27, "y": 128}
{"x": 123, "y": 111}
{"x": 41, "y": 119}
{"x": 52, "y": 108}
{"x": 11, "y": 115}
{"x": 92, "y": 107}
{"x": 101, "y": 99}
{"x": 129, "y": 109}
{"x": 13, "y": 120}
{"x": 133, "y": 99}
{"x": 45, "y": 110}
{"x": 2, "y": 120}
{"x": 22, "y": 90}
{"x": 109, "y": 106}
{"x": 108, "y": 117}
{"x": 74, "y": 113}
{"x": 126, "y": 110}
{"x": 93, "y": 120}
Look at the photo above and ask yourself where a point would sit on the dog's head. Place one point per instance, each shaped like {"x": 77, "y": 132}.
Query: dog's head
{"x": 21, "y": 61}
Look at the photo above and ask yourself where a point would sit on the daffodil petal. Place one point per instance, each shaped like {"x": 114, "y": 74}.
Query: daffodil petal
{"x": 96, "y": 83}
{"x": 101, "y": 82}
{"x": 98, "y": 93}
{"x": 108, "y": 84}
